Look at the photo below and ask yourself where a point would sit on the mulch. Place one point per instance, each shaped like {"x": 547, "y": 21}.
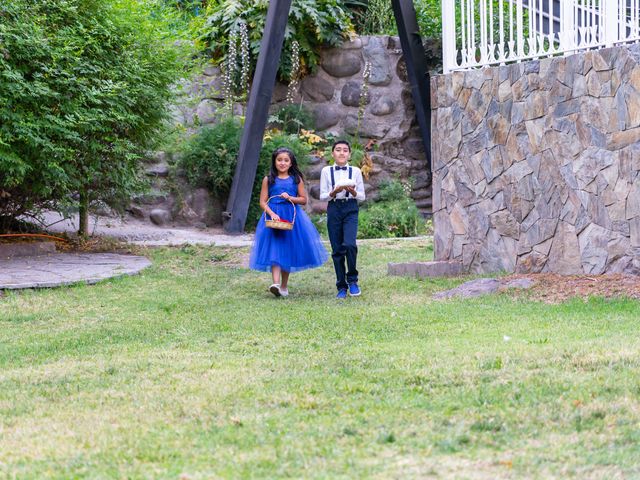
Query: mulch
{"x": 554, "y": 288}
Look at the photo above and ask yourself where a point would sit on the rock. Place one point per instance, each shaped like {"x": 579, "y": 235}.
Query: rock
{"x": 369, "y": 127}
{"x": 350, "y": 94}
{"x": 339, "y": 63}
{"x": 136, "y": 211}
{"x": 206, "y": 111}
{"x": 314, "y": 191}
{"x": 212, "y": 71}
{"x": 383, "y": 106}
{"x": 159, "y": 216}
{"x": 376, "y": 54}
{"x": 401, "y": 70}
{"x": 205, "y": 86}
{"x": 472, "y": 288}
{"x": 279, "y": 94}
{"x": 326, "y": 116}
{"x": 317, "y": 89}
{"x": 564, "y": 256}
{"x": 314, "y": 171}
{"x": 158, "y": 170}
{"x": 319, "y": 207}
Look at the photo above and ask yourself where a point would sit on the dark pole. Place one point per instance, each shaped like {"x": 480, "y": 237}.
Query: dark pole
{"x": 414, "y": 56}
{"x": 257, "y": 112}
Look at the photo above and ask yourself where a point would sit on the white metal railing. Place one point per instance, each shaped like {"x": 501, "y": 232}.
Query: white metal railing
{"x": 476, "y": 33}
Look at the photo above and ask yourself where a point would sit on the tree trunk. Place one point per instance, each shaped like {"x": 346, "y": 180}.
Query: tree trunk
{"x": 83, "y": 229}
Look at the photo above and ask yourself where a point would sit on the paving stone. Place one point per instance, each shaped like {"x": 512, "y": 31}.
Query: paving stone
{"x": 67, "y": 268}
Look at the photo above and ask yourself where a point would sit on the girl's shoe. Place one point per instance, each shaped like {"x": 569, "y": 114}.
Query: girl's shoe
{"x": 284, "y": 292}
{"x": 275, "y": 289}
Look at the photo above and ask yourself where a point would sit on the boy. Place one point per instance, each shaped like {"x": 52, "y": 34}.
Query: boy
{"x": 342, "y": 185}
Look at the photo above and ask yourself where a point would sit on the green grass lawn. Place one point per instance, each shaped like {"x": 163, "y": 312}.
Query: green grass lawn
{"x": 192, "y": 370}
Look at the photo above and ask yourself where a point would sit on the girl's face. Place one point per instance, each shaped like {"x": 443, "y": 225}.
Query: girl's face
{"x": 283, "y": 163}
{"x": 341, "y": 154}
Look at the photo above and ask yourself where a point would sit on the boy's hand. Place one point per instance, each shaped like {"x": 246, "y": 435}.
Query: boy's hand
{"x": 337, "y": 190}
{"x": 351, "y": 190}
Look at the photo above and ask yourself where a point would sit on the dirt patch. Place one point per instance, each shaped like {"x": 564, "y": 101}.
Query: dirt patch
{"x": 554, "y": 288}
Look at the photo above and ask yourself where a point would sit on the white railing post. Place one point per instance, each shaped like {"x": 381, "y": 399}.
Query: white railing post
{"x": 519, "y": 29}
{"x": 568, "y": 28}
{"x": 612, "y": 21}
{"x": 449, "y": 50}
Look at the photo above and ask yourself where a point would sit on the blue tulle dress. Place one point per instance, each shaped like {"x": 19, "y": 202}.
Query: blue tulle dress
{"x": 292, "y": 250}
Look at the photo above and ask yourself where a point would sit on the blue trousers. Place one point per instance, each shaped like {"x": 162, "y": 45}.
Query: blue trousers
{"x": 342, "y": 225}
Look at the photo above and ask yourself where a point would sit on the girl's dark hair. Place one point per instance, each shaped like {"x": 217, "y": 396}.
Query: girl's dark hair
{"x": 294, "y": 171}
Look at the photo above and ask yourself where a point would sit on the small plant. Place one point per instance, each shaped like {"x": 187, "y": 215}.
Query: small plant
{"x": 394, "y": 215}
{"x": 378, "y": 19}
{"x": 210, "y": 156}
{"x": 292, "y": 118}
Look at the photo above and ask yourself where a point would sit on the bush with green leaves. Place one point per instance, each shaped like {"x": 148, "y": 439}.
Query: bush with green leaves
{"x": 313, "y": 23}
{"x": 209, "y": 160}
{"x": 394, "y": 214}
{"x": 209, "y": 157}
{"x": 292, "y": 118}
{"x": 84, "y": 88}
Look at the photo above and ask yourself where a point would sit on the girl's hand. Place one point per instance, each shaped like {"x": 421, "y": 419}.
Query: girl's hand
{"x": 285, "y": 195}
{"x": 274, "y": 216}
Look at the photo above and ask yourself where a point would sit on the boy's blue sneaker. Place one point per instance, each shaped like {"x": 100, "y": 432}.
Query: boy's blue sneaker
{"x": 354, "y": 290}
{"x": 342, "y": 294}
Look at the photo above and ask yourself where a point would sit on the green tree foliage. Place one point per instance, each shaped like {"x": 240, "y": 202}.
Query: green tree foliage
{"x": 313, "y": 23}
{"x": 84, "y": 86}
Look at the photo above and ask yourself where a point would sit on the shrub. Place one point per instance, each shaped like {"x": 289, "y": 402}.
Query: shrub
{"x": 393, "y": 215}
{"x": 292, "y": 118}
{"x": 210, "y": 157}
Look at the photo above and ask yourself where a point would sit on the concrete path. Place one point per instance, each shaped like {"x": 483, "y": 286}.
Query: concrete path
{"x": 58, "y": 269}
{"x": 143, "y": 233}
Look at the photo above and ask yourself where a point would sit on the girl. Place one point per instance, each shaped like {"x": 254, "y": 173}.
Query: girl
{"x": 285, "y": 251}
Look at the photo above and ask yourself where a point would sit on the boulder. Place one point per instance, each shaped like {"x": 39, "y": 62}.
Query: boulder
{"x": 341, "y": 63}
{"x": 160, "y": 216}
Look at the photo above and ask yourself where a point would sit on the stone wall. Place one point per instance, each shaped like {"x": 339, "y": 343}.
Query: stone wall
{"x": 536, "y": 165}
{"x": 332, "y": 95}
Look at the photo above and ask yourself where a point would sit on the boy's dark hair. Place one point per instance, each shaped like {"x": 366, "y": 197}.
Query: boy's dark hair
{"x": 340, "y": 142}
{"x": 294, "y": 170}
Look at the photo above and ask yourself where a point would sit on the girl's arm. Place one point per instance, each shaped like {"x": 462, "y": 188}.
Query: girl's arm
{"x": 264, "y": 196}
{"x": 301, "y": 199}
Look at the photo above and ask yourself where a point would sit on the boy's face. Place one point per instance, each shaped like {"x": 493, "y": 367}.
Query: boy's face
{"x": 341, "y": 154}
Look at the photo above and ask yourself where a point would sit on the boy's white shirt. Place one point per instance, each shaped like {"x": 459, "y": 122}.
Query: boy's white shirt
{"x": 341, "y": 176}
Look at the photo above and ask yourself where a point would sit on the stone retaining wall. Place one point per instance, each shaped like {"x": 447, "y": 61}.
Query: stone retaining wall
{"x": 332, "y": 94}
{"x": 536, "y": 165}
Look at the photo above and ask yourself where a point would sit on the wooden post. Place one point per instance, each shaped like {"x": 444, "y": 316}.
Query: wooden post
{"x": 414, "y": 56}
{"x": 257, "y": 114}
